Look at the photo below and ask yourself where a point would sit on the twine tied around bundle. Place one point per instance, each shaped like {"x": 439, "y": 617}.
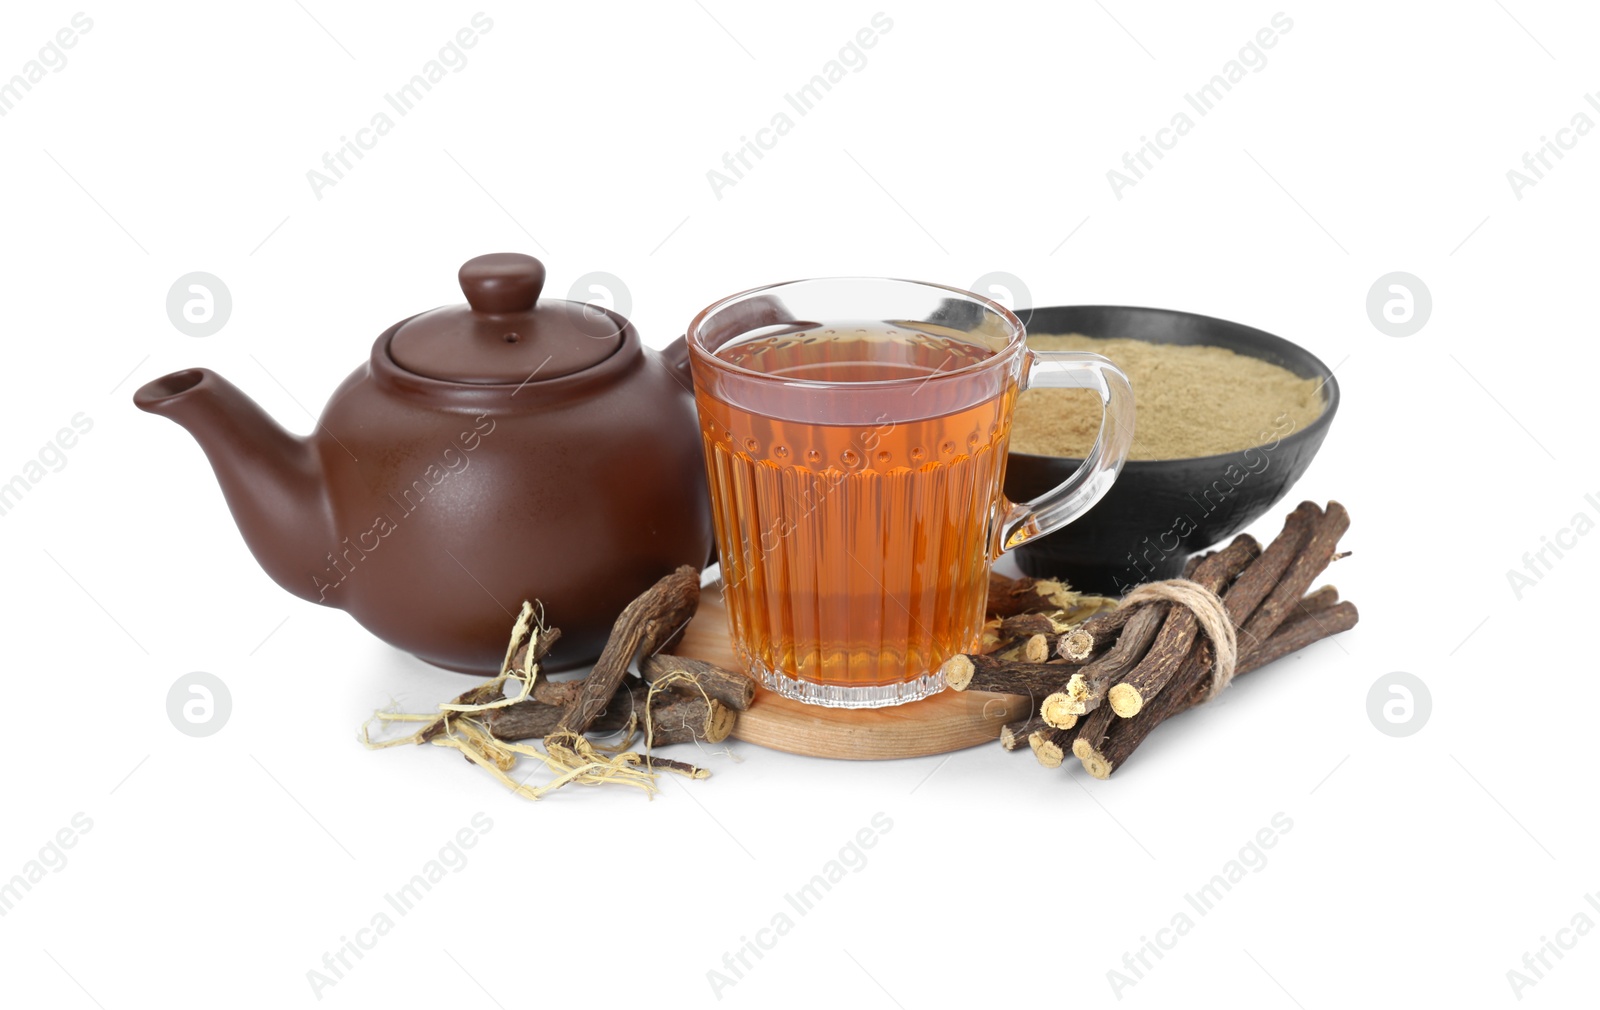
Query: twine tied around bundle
{"x": 1212, "y": 616}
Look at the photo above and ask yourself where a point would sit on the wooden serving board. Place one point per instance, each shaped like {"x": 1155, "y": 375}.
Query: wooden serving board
{"x": 948, "y": 721}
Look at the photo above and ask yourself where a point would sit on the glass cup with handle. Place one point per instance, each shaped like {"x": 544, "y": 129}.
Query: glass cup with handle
{"x": 855, "y": 434}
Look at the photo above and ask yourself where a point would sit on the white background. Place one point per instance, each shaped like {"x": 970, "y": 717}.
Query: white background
{"x": 1376, "y": 138}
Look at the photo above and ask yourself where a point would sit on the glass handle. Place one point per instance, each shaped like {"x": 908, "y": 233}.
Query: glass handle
{"x": 1095, "y": 475}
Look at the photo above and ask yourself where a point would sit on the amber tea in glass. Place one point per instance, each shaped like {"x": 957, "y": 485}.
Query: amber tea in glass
{"x": 855, "y": 436}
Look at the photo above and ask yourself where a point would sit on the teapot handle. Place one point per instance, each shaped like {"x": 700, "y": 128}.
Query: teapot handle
{"x": 676, "y": 356}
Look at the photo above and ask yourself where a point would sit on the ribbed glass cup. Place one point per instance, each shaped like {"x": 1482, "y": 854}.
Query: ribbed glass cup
{"x": 855, "y": 434}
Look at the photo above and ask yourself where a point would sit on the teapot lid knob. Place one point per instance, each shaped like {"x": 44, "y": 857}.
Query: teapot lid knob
{"x": 506, "y": 334}
{"x": 501, "y": 283}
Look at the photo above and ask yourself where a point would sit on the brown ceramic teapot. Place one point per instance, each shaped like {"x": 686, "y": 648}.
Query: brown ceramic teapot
{"x": 487, "y": 453}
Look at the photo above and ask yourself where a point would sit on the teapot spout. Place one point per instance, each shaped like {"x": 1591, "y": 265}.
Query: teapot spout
{"x": 272, "y": 479}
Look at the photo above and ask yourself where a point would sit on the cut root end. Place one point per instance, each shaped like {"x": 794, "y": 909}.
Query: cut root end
{"x": 1077, "y": 645}
{"x": 1058, "y": 711}
{"x": 1036, "y": 649}
{"x": 1095, "y": 764}
{"x": 958, "y": 671}
{"x": 1126, "y": 701}
{"x": 1047, "y": 751}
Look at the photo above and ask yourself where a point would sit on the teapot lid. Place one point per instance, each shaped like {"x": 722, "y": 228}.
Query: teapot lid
{"x": 505, "y": 334}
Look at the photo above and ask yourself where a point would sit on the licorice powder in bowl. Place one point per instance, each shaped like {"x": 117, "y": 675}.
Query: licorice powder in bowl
{"x": 1191, "y": 400}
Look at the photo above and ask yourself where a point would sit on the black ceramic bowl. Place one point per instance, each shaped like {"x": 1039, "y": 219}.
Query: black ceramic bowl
{"x": 1161, "y": 511}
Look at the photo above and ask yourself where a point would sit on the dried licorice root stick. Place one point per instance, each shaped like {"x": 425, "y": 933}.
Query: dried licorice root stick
{"x": 1079, "y": 644}
{"x": 1085, "y": 690}
{"x": 558, "y": 693}
{"x": 1297, "y": 632}
{"x": 1256, "y": 582}
{"x": 1096, "y": 634}
{"x": 671, "y": 717}
{"x": 1315, "y": 556}
{"x": 1106, "y": 755}
{"x": 1009, "y": 597}
{"x": 1050, "y": 745}
{"x": 647, "y": 623}
{"x": 1033, "y": 623}
{"x": 1091, "y": 732}
{"x": 684, "y": 768}
{"x": 734, "y": 690}
{"x": 1014, "y": 735}
{"x": 1002, "y": 676}
{"x": 1313, "y": 604}
{"x": 1315, "y": 544}
{"x": 541, "y": 648}
{"x": 535, "y": 718}
{"x": 1032, "y": 649}
{"x": 525, "y": 634}
{"x": 524, "y": 669}
{"x": 1241, "y": 598}
{"x": 1178, "y": 634}
{"x": 1322, "y": 599}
